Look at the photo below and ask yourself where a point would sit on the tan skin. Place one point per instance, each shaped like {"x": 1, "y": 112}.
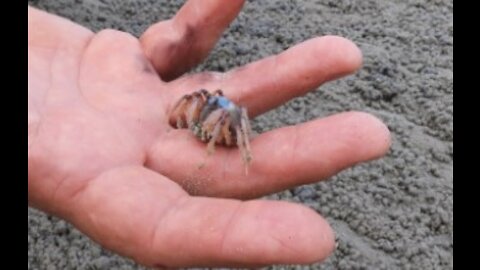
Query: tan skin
{"x": 102, "y": 156}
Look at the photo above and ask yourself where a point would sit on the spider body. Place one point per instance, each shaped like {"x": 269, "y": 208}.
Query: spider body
{"x": 214, "y": 119}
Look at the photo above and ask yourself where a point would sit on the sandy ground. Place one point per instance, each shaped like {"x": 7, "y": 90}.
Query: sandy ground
{"x": 395, "y": 213}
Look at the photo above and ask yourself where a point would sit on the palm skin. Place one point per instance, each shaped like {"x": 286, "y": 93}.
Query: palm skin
{"x": 102, "y": 155}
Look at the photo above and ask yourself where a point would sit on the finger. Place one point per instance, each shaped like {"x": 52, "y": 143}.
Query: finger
{"x": 268, "y": 83}
{"x": 49, "y": 31}
{"x": 143, "y": 215}
{"x": 282, "y": 158}
{"x": 177, "y": 45}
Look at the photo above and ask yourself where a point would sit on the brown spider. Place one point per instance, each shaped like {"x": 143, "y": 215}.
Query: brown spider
{"x": 214, "y": 119}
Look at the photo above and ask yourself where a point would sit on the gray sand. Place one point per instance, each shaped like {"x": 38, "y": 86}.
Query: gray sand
{"x": 394, "y": 213}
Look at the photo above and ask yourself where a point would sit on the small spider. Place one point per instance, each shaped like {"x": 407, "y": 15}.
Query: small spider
{"x": 214, "y": 119}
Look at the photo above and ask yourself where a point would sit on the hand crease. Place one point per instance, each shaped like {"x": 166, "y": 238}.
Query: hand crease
{"x": 284, "y": 245}
{"x": 177, "y": 203}
{"x": 229, "y": 225}
{"x": 80, "y": 68}
{"x": 294, "y": 152}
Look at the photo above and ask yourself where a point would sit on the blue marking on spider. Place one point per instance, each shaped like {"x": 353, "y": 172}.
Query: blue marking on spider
{"x": 224, "y": 102}
{"x": 221, "y": 102}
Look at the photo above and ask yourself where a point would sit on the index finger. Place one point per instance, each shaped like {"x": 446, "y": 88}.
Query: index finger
{"x": 177, "y": 45}
{"x": 270, "y": 82}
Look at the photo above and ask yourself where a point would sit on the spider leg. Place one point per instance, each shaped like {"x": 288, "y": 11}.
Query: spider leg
{"x": 215, "y": 135}
{"x": 209, "y": 124}
{"x": 246, "y": 129}
{"x": 204, "y": 93}
{"x": 240, "y": 141}
{"x": 193, "y": 111}
{"x": 241, "y": 146}
{"x": 226, "y": 131}
{"x": 177, "y": 115}
{"x": 218, "y": 92}
{"x": 179, "y": 123}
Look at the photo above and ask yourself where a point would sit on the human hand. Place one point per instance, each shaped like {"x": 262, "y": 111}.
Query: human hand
{"x": 102, "y": 155}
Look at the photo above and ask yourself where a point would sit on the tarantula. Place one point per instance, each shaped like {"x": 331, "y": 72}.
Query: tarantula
{"x": 214, "y": 119}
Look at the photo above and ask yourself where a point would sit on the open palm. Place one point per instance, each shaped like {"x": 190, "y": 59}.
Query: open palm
{"x": 102, "y": 155}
